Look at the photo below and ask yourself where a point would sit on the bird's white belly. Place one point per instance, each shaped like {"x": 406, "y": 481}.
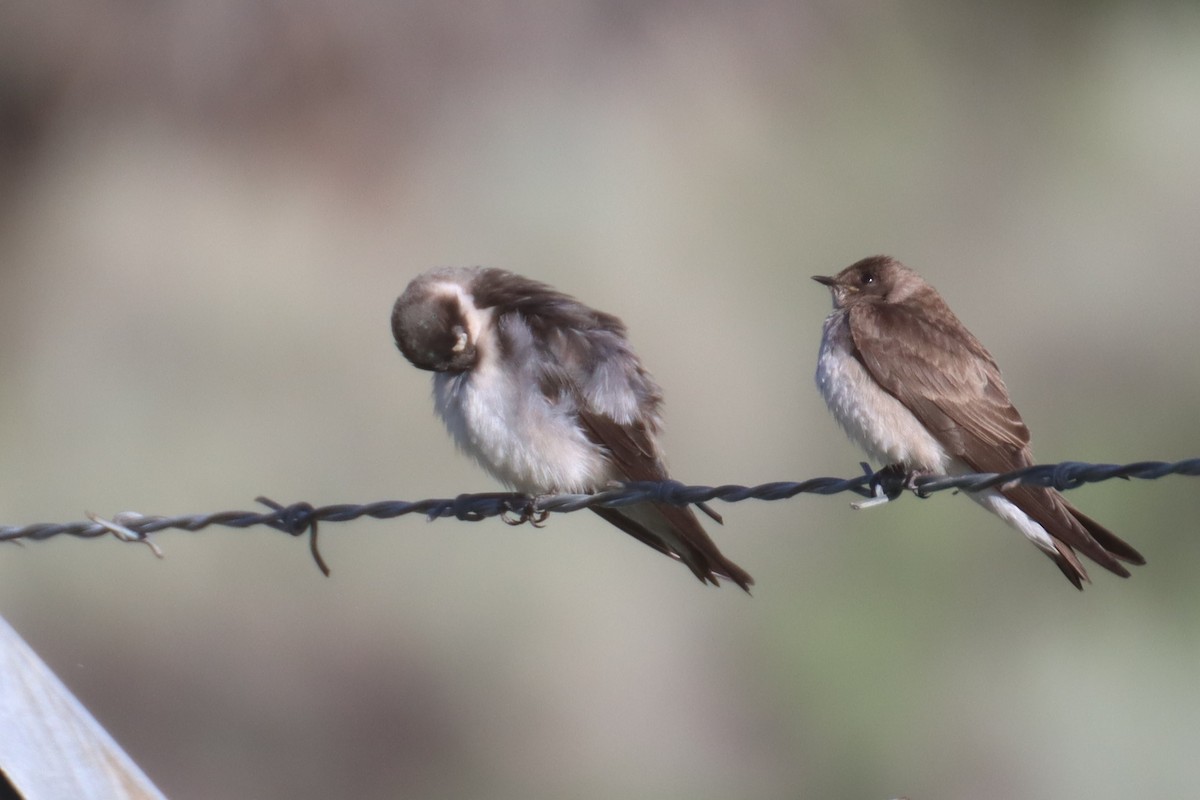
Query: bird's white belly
{"x": 516, "y": 434}
{"x": 875, "y": 420}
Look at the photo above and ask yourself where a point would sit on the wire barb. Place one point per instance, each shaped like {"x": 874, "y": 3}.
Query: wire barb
{"x": 296, "y": 520}
{"x": 301, "y": 518}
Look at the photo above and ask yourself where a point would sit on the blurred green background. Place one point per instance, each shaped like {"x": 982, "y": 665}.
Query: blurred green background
{"x": 207, "y": 209}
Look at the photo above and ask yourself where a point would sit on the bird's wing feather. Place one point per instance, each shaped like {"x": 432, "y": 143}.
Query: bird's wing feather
{"x": 945, "y": 377}
{"x": 618, "y": 411}
{"x": 668, "y": 528}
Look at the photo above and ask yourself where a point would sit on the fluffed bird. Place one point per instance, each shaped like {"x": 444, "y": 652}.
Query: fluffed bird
{"x": 548, "y": 396}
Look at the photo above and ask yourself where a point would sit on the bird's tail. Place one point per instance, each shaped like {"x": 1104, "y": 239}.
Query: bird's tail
{"x": 675, "y": 531}
{"x": 1060, "y": 530}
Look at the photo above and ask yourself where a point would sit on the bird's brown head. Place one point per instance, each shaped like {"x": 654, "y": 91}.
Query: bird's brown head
{"x": 431, "y": 326}
{"x": 877, "y": 279}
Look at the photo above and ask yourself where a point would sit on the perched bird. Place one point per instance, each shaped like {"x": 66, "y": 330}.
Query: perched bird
{"x": 915, "y": 389}
{"x": 548, "y": 396}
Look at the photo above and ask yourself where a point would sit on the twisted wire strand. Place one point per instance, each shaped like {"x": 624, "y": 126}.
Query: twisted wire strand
{"x": 301, "y": 518}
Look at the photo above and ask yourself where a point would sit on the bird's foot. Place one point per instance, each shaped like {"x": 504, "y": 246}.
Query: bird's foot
{"x": 910, "y": 480}
{"x": 525, "y": 510}
{"x": 889, "y": 483}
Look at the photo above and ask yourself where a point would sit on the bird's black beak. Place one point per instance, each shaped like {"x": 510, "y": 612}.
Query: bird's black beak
{"x": 825, "y": 279}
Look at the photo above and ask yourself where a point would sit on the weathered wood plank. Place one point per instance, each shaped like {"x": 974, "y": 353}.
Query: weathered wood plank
{"x": 50, "y": 746}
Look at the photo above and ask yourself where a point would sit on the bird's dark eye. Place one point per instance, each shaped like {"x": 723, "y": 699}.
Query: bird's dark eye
{"x": 866, "y": 279}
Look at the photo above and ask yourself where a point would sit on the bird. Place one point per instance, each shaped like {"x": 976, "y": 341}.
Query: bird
{"x": 918, "y": 392}
{"x": 548, "y": 396}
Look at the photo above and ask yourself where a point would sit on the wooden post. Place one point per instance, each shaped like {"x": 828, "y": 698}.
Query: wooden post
{"x": 50, "y": 746}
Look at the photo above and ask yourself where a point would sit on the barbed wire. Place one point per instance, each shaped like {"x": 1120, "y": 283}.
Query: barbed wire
{"x": 301, "y": 518}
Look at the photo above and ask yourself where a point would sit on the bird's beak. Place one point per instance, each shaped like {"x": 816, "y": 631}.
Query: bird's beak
{"x": 825, "y": 279}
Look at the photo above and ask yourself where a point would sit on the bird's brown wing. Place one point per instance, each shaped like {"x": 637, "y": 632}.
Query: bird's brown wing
{"x": 932, "y": 364}
{"x": 673, "y": 530}
{"x": 572, "y": 376}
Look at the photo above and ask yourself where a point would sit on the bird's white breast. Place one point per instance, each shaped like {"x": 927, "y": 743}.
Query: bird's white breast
{"x": 875, "y": 420}
{"x": 498, "y": 415}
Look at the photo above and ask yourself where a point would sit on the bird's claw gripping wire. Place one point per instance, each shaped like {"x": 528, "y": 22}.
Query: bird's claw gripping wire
{"x": 524, "y": 509}
{"x": 889, "y": 483}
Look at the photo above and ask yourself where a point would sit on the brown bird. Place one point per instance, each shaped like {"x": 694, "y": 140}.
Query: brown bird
{"x": 548, "y": 396}
{"x": 915, "y": 389}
